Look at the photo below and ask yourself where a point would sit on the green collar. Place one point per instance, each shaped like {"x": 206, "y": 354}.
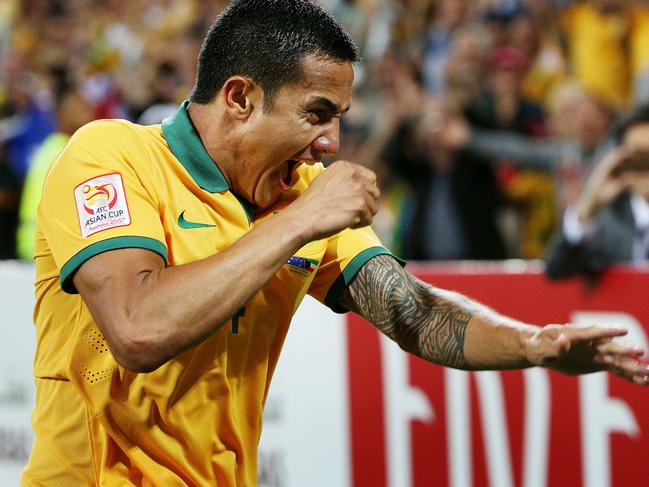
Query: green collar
{"x": 190, "y": 151}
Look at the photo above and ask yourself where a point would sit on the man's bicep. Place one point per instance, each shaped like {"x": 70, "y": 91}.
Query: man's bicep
{"x": 108, "y": 284}
{"x": 379, "y": 284}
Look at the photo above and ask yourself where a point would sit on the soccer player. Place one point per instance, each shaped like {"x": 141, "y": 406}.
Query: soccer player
{"x": 171, "y": 258}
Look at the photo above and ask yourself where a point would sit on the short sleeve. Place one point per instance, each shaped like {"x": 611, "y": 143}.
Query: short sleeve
{"x": 99, "y": 196}
{"x": 346, "y": 253}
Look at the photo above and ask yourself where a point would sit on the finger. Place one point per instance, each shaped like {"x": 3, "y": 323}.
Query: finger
{"x": 373, "y": 190}
{"x": 609, "y": 347}
{"x": 629, "y": 368}
{"x": 587, "y": 333}
{"x": 372, "y": 204}
{"x": 363, "y": 219}
{"x": 366, "y": 174}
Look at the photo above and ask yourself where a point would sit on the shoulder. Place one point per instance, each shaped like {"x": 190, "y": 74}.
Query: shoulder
{"x": 103, "y": 147}
{"x": 112, "y": 141}
{"x": 110, "y": 132}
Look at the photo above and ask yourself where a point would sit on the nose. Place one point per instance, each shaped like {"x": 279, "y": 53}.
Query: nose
{"x": 329, "y": 142}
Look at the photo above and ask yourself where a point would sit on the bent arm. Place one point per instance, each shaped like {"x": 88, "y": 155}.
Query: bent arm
{"x": 149, "y": 313}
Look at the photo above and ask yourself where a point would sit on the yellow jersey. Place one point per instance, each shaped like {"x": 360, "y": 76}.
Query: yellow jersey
{"x": 197, "y": 419}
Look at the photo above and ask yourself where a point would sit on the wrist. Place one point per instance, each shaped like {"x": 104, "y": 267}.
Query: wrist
{"x": 585, "y": 213}
{"x": 526, "y": 340}
{"x": 297, "y": 231}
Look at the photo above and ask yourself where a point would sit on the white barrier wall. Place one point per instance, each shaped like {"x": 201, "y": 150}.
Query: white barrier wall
{"x": 16, "y": 353}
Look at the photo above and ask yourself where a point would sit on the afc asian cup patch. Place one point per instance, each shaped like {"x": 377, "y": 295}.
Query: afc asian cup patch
{"x": 101, "y": 204}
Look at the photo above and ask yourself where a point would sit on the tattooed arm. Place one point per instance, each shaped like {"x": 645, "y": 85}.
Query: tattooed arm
{"x": 437, "y": 325}
{"x": 447, "y": 328}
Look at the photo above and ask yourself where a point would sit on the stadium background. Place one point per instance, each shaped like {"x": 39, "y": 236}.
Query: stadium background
{"x": 442, "y": 81}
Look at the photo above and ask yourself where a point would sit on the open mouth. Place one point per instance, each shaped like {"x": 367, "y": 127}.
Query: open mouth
{"x": 286, "y": 173}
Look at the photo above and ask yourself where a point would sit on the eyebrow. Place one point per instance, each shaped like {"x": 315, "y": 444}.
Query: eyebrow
{"x": 329, "y": 104}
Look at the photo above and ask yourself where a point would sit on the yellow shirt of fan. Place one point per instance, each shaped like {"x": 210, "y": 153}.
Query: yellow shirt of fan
{"x": 597, "y": 44}
{"x": 197, "y": 419}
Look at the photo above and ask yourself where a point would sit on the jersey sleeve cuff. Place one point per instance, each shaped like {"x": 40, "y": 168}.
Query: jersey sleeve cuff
{"x": 71, "y": 266}
{"x": 348, "y": 274}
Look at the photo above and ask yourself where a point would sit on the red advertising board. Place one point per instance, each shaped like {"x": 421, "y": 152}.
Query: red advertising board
{"x": 417, "y": 424}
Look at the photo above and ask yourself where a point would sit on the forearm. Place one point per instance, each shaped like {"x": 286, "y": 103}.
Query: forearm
{"x": 440, "y": 326}
{"x": 453, "y": 330}
{"x": 527, "y": 152}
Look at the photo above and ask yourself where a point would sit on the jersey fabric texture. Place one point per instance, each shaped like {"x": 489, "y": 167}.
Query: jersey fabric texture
{"x": 197, "y": 419}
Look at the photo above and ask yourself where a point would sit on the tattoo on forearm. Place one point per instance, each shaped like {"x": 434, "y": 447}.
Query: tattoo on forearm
{"x": 408, "y": 311}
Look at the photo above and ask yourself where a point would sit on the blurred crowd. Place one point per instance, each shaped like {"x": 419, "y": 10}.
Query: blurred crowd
{"x": 499, "y": 128}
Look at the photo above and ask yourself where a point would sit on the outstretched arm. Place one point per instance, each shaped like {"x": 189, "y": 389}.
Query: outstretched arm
{"x": 447, "y": 328}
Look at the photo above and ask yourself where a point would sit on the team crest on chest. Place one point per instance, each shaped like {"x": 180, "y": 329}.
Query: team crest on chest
{"x": 101, "y": 204}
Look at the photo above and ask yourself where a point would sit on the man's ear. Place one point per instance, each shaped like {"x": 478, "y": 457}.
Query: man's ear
{"x": 241, "y": 95}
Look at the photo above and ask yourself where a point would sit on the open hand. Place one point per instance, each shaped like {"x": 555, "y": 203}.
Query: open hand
{"x": 574, "y": 349}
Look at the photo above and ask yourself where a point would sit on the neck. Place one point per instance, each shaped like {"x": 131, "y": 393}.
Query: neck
{"x": 211, "y": 127}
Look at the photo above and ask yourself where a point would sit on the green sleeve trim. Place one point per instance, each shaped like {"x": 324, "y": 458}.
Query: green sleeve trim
{"x": 348, "y": 275}
{"x": 71, "y": 266}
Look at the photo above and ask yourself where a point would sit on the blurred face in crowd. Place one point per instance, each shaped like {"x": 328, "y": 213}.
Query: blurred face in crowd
{"x": 592, "y": 122}
{"x": 73, "y": 112}
{"x": 505, "y": 81}
{"x": 562, "y": 106}
{"x": 430, "y": 137}
{"x": 636, "y": 139}
{"x": 608, "y": 5}
{"x": 302, "y": 126}
{"x": 452, "y": 13}
{"x": 524, "y": 35}
{"x": 465, "y": 67}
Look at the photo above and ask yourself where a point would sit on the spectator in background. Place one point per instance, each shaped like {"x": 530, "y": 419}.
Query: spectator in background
{"x": 465, "y": 67}
{"x": 596, "y": 34}
{"x": 534, "y": 34}
{"x": 33, "y": 115}
{"x": 455, "y": 195}
{"x": 610, "y": 222}
{"x": 528, "y": 220}
{"x": 639, "y": 47}
{"x": 165, "y": 98}
{"x": 27, "y": 119}
{"x": 73, "y": 112}
{"x": 547, "y": 174}
{"x": 449, "y": 16}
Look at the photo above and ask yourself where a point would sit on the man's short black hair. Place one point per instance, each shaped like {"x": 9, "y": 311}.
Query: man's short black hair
{"x": 267, "y": 41}
{"x": 638, "y": 116}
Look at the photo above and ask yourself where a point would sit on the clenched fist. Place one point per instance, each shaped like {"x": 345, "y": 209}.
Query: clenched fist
{"x": 345, "y": 195}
